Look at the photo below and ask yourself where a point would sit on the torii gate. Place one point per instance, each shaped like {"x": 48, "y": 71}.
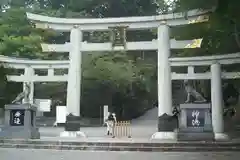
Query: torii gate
{"x": 76, "y": 46}
{"x": 30, "y": 67}
{"x": 215, "y": 75}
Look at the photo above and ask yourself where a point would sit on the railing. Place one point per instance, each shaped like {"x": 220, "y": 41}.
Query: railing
{"x": 122, "y": 129}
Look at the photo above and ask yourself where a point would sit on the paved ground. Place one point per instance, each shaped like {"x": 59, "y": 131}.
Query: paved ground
{"x": 137, "y": 131}
{"x": 144, "y": 126}
{"x": 21, "y": 154}
{"x": 150, "y": 118}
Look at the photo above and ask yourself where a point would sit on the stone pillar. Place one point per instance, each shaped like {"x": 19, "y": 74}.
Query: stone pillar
{"x": 217, "y": 102}
{"x": 72, "y": 125}
{"x": 29, "y": 72}
{"x": 166, "y": 124}
{"x": 74, "y": 72}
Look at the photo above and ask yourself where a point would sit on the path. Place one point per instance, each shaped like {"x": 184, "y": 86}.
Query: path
{"x": 142, "y": 127}
{"x": 12, "y": 154}
{"x": 150, "y": 118}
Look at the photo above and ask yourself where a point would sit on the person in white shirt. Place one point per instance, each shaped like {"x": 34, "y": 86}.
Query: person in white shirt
{"x": 110, "y": 121}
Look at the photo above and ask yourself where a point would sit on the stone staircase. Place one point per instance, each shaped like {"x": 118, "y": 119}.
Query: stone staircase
{"x": 121, "y": 145}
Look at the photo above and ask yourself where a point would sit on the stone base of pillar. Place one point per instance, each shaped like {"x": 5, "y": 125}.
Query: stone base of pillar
{"x": 72, "y": 127}
{"x": 72, "y": 123}
{"x": 72, "y": 134}
{"x": 164, "y": 136}
{"x": 166, "y": 126}
{"x": 221, "y": 137}
{"x": 167, "y": 123}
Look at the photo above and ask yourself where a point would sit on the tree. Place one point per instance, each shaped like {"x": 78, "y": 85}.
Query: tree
{"x": 18, "y": 37}
{"x": 221, "y": 32}
{"x": 114, "y": 80}
{"x": 8, "y": 90}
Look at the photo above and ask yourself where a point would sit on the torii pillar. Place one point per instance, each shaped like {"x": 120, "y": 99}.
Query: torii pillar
{"x": 29, "y": 72}
{"x": 72, "y": 126}
{"x": 166, "y": 124}
{"x": 217, "y": 102}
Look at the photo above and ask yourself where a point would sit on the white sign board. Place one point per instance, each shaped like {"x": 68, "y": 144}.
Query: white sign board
{"x": 61, "y": 113}
{"x": 105, "y": 112}
{"x": 44, "y": 105}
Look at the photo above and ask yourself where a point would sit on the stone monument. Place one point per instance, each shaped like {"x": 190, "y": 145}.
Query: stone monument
{"x": 195, "y": 117}
{"x": 20, "y": 118}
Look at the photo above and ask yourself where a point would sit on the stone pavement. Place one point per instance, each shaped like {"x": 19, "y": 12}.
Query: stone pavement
{"x": 29, "y": 154}
{"x": 136, "y": 131}
{"x": 142, "y": 127}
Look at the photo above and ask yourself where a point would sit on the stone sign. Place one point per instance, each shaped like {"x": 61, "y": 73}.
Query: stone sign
{"x": 17, "y": 117}
{"x": 20, "y": 122}
{"x": 195, "y": 122}
{"x": 195, "y": 117}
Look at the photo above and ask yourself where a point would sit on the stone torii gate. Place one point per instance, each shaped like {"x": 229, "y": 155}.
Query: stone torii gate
{"x": 76, "y": 46}
{"x": 215, "y": 75}
{"x": 30, "y": 67}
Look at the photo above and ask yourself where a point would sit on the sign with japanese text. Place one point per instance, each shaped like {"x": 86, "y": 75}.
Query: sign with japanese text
{"x": 195, "y": 117}
{"x": 17, "y": 117}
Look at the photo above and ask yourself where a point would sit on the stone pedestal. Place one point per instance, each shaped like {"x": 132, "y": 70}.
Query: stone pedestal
{"x": 195, "y": 122}
{"x": 20, "y": 122}
{"x": 72, "y": 127}
{"x": 166, "y": 125}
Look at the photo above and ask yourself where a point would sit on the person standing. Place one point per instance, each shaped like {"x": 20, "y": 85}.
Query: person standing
{"x": 110, "y": 123}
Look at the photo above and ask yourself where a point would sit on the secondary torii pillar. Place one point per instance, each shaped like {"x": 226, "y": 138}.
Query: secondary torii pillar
{"x": 29, "y": 72}
{"x": 166, "y": 124}
{"x": 72, "y": 127}
{"x": 217, "y": 102}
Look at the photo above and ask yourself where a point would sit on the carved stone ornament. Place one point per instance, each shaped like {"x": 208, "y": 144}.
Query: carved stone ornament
{"x": 192, "y": 92}
{"x": 118, "y": 36}
{"x": 23, "y": 97}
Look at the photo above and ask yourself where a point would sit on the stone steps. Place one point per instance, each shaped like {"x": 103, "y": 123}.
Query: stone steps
{"x": 123, "y": 146}
{"x": 195, "y": 136}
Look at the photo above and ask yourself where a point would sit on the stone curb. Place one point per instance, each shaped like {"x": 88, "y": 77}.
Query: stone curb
{"x": 123, "y": 146}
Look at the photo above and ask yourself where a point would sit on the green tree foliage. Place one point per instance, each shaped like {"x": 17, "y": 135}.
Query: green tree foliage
{"x": 18, "y": 37}
{"x": 3, "y": 85}
{"x": 116, "y": 80}
{"x": 221, "y": 32}
{"x": 8, "y": 90}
